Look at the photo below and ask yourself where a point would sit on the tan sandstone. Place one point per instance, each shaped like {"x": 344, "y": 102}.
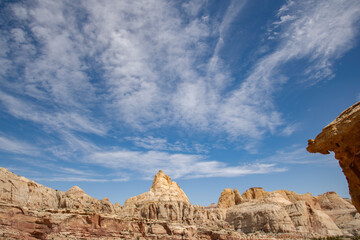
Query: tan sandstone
{"x": 342, "y": 136}
{"x": 162, "y": 189}
{"x": 288, "y": 212}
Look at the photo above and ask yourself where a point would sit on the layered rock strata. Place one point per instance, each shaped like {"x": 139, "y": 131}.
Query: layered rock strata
{"x": 284, "y": 211}
{"x": 342, "y": 136}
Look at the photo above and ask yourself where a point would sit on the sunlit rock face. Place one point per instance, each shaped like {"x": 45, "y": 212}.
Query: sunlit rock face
{"x": 342, "y": 136}
{"x": 21, "y": 191}
{"x": 166, "y": 201}
{"x": 229, "y": 198}
{"x": 284, "y": 211}
{"x": 162, "y": 189}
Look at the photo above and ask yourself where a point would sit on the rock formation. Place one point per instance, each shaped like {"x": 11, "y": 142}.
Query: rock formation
{"x": 162, "y": 189}
{"x": 342, "y": 212}
{"x": 165, "y": 201}
{"x": 29, "y": 210}
{"x": 342, "y": 136}
{"x": 229, "y": 198}
{"x": 287, "y": 211}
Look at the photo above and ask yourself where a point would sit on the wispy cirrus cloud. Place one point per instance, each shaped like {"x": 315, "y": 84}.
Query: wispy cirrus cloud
{"x": 16, "y": 146}
{"x": 297, "y": 154}
{"x": 61, "y": 120}
{"x": 155, "y": 143}
{"x": 176, "y": 165}
{"x": 96, "y": 68}
{"x": 150, "y": 61}
{"x": 315, "y": 31}
{"x": 80, "y": 179}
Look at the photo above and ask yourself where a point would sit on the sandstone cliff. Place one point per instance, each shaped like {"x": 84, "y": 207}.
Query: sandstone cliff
{"x": 342, "y": 136}
{"x": 287, "y": 211}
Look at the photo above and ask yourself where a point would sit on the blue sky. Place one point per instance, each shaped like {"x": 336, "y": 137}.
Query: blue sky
{"x": 103, "y": 94}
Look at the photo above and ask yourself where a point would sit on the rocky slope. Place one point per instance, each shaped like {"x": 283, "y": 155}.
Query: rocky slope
{"x": 342, "y": 136}
{"x": 29, "y": 210}
{"x": 286, "y": 211}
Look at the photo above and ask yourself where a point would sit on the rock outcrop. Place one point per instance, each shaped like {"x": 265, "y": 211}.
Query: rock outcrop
{"x": 341, "y": 211}
{"x": 283, "y": 197}
{"x": 342, "y": 136}
{"x": 26, "y": 193}
{"x": 162, "y": 189}
{"x": 251, "y": 217}
{"x": 229, "y": 198}
{"x": 289, "y": 212}
{"x": 165, "y": 201}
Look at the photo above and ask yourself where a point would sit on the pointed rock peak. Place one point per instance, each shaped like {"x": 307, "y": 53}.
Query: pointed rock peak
{"x": 162, "y": 189}
{"x": 75, "y": 190}
{"x": 161, "y": 180}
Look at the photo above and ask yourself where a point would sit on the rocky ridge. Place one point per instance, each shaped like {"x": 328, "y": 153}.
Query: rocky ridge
{"x": 287, "y": 211}
{"x": 342, "y": 136}
{"x": 29, "y": 210}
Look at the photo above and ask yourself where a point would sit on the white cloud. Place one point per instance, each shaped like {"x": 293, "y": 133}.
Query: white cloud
{"x": 79, "y": 179}
{"x": 284, "y": 18}
{"x": 176, "y": 165}
{"x": 297, "y": 154}
{"x": 18, "y": 147}
{"x": 48, "y": 49}
{"x": 142, "y": 63}
{"x": 56, "y": 120}
{"x": 154, "y": 143}
{"x": 289, "y": 129}
{"x": 320, "y": 31}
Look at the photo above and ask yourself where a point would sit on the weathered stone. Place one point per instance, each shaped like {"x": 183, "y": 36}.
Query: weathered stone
{"x": 162, "y": 189}
{"x": 229, "y": 198}
{"x": 251, "y": 216}
{"x": 341, "y": 211}
{"x": 342, "y": 136}
{"x": 308, "y": 220}
{"x": 24, "y": 192}
{"x": 254, "y": 193}
{"x": 238, "y": 197}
